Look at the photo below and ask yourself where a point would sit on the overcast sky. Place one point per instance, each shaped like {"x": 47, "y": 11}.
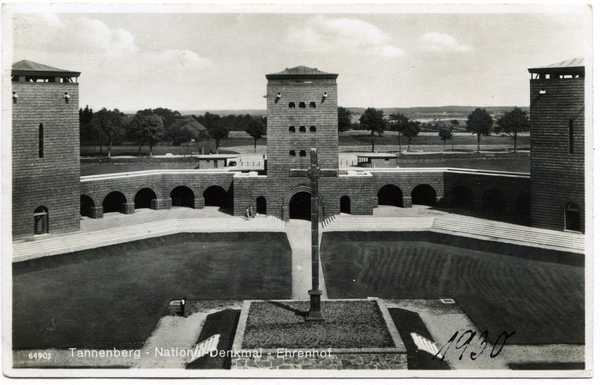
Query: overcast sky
{"x": 395, "y": 58}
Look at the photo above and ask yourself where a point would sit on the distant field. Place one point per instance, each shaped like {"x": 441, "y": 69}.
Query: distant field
{"x": 499, "y": 290}
{"x": 426, "y": 141}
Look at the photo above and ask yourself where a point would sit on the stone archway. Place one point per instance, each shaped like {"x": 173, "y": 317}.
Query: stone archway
{"x": 86, "y": 203}
{"x": 182, "y": 196}
{"x": 423, "y": 194}
{"x": 390, "y": 195}
{"x": 285, "y": 207}
{"x": 113, "y": 202}
{"x": 300, "y": 205}
{"x": 143, "y": 199}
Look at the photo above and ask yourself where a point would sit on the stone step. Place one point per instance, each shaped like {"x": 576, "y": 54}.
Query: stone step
{"x": 87, "y": 240}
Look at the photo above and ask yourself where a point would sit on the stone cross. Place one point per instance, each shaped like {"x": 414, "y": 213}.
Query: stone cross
{"x": 314, "y": 173}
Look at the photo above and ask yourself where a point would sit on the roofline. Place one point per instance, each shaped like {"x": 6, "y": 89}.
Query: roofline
{"x": 301, "y": 76}
{"x": 557, "y": 69}
{"x": 20, "y": 72}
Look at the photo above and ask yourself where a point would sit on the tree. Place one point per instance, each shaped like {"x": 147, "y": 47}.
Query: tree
{"x": 479, "y": 122}
{"x": 372, "y": 120}
{"x": 454, "y": 122}
{"x": 398, "y": 122}
{"x": 111, "y": 124}
{"x": 218, "y": 132}
{"x": 513, "y": 122}
{"x": 411, "y": 130}
{"x": 146, "y": 128}
{"x": 256, "y": 129}
{"x": 445, "y": 134}
{"x": 344, "y": 119}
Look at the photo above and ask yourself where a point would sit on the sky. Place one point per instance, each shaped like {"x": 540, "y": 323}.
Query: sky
{"x": 209, "y": 58}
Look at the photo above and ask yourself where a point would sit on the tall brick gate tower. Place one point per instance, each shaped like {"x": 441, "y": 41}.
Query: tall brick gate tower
{"x": 557, "y": 104}
{"x": 302, "y": 114}
{"x": 45, "y": 150}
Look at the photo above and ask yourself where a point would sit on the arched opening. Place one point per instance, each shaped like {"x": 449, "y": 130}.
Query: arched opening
{"x": 40, "y": 221}
{"x": 313, "y": 105}
{"x": 390, "y": 195}
{"x": 143, "y": 198}
{"x": 461, "y": 197}
{"x": 493, "y": 202}
{"x": 292, "y": 129}
{"x": 292, "y": 105}
{"x": 345, "y": 204}
{"x": 85, "y": 205}
{"x": 113, "y": 202}
{"x": 215, "y": 196}
{"x": 302, "y": 128}
{"x": 572, "y": 217}
{"x": 313, "y": 129}
{"x": 261, "y": 205}
{"x": 302, "y": 105}
{"x": 182, "y": 196}
{"x": 300, "y": 206}
{"x": 523, "y": 208}
{"x": 302, "y": 153}
{"x": 423, "y": 194}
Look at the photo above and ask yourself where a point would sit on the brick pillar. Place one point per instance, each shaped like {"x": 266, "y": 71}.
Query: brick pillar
{"x": 127, "y": 208}
{"x": 199, "y": 203}
{"x": 407, "y": 202}
{"x": 161, "y": 204}
{"x": 477, "y": 204}
{"x": 285, "y": 213}
{"x": 96, "y": 212}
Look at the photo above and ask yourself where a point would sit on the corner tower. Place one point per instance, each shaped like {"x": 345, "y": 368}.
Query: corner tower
{"x": 301, "y": 114}
{"x": 557, "y": 110}
{"x": 45, "y": 150}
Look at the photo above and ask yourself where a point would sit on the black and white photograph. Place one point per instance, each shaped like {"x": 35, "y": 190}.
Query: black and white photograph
{"x": 297, "y": 191}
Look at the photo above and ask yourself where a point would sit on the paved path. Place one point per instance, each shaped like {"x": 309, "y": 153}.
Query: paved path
{"x": 299, "y": 236}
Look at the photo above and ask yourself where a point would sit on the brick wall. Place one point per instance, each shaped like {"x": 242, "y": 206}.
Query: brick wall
{"x": 280, "y": 117}
{"x": 51, "y": 181}
{"x": 557, "y": 176}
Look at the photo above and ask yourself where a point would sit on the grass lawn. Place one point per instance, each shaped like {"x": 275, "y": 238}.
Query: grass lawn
{"x": 114, "y": 296}
{"x": 507, "y": 288}
{"x": 348, "y": 324}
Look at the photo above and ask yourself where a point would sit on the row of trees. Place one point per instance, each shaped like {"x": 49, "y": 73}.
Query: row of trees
{"x": 479, "y": 122}
{"x": 151, "y": 126}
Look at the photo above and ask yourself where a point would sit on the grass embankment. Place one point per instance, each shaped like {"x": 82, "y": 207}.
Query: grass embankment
{"x": 114, "y": 296}
{"x": 348, "y": 324}
{"x": 535, "y": 293}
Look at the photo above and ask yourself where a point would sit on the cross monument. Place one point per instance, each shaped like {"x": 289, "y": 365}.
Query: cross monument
{"x": 314, "y": 173}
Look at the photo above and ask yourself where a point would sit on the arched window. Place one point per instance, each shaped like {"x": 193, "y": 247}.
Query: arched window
{"x": 301, "y": 105}
{"x": 292, "y": 152}
{"x": 41, "y": 141}
{"x": 313, "y": 105}
{"x": 302, "y": 153}
{"x": 572, "y": 217}
{"x": 292, "y": 129}
{"x": 571, "y": 146}
{"x": 292, "y": 105}
{"x": 345, "y": 204}
{"x": 40, "y": 220}
{"x": 313, "y": 129}
{"x": 302, "y": 129}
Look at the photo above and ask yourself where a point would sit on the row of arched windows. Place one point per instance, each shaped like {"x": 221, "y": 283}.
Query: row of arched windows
{"x": 302, "y": 129}
{"x": 302, "y": 105}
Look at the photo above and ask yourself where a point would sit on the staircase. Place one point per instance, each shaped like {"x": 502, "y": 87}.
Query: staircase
{"x": 370, "y": 223}
{"x": 506, "y": 232}
{"x": 51, "y": 245}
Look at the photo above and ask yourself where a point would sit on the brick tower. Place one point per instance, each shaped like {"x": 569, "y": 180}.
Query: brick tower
{"x": 557, "y": 104}
{"x": 45, "y": 150}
